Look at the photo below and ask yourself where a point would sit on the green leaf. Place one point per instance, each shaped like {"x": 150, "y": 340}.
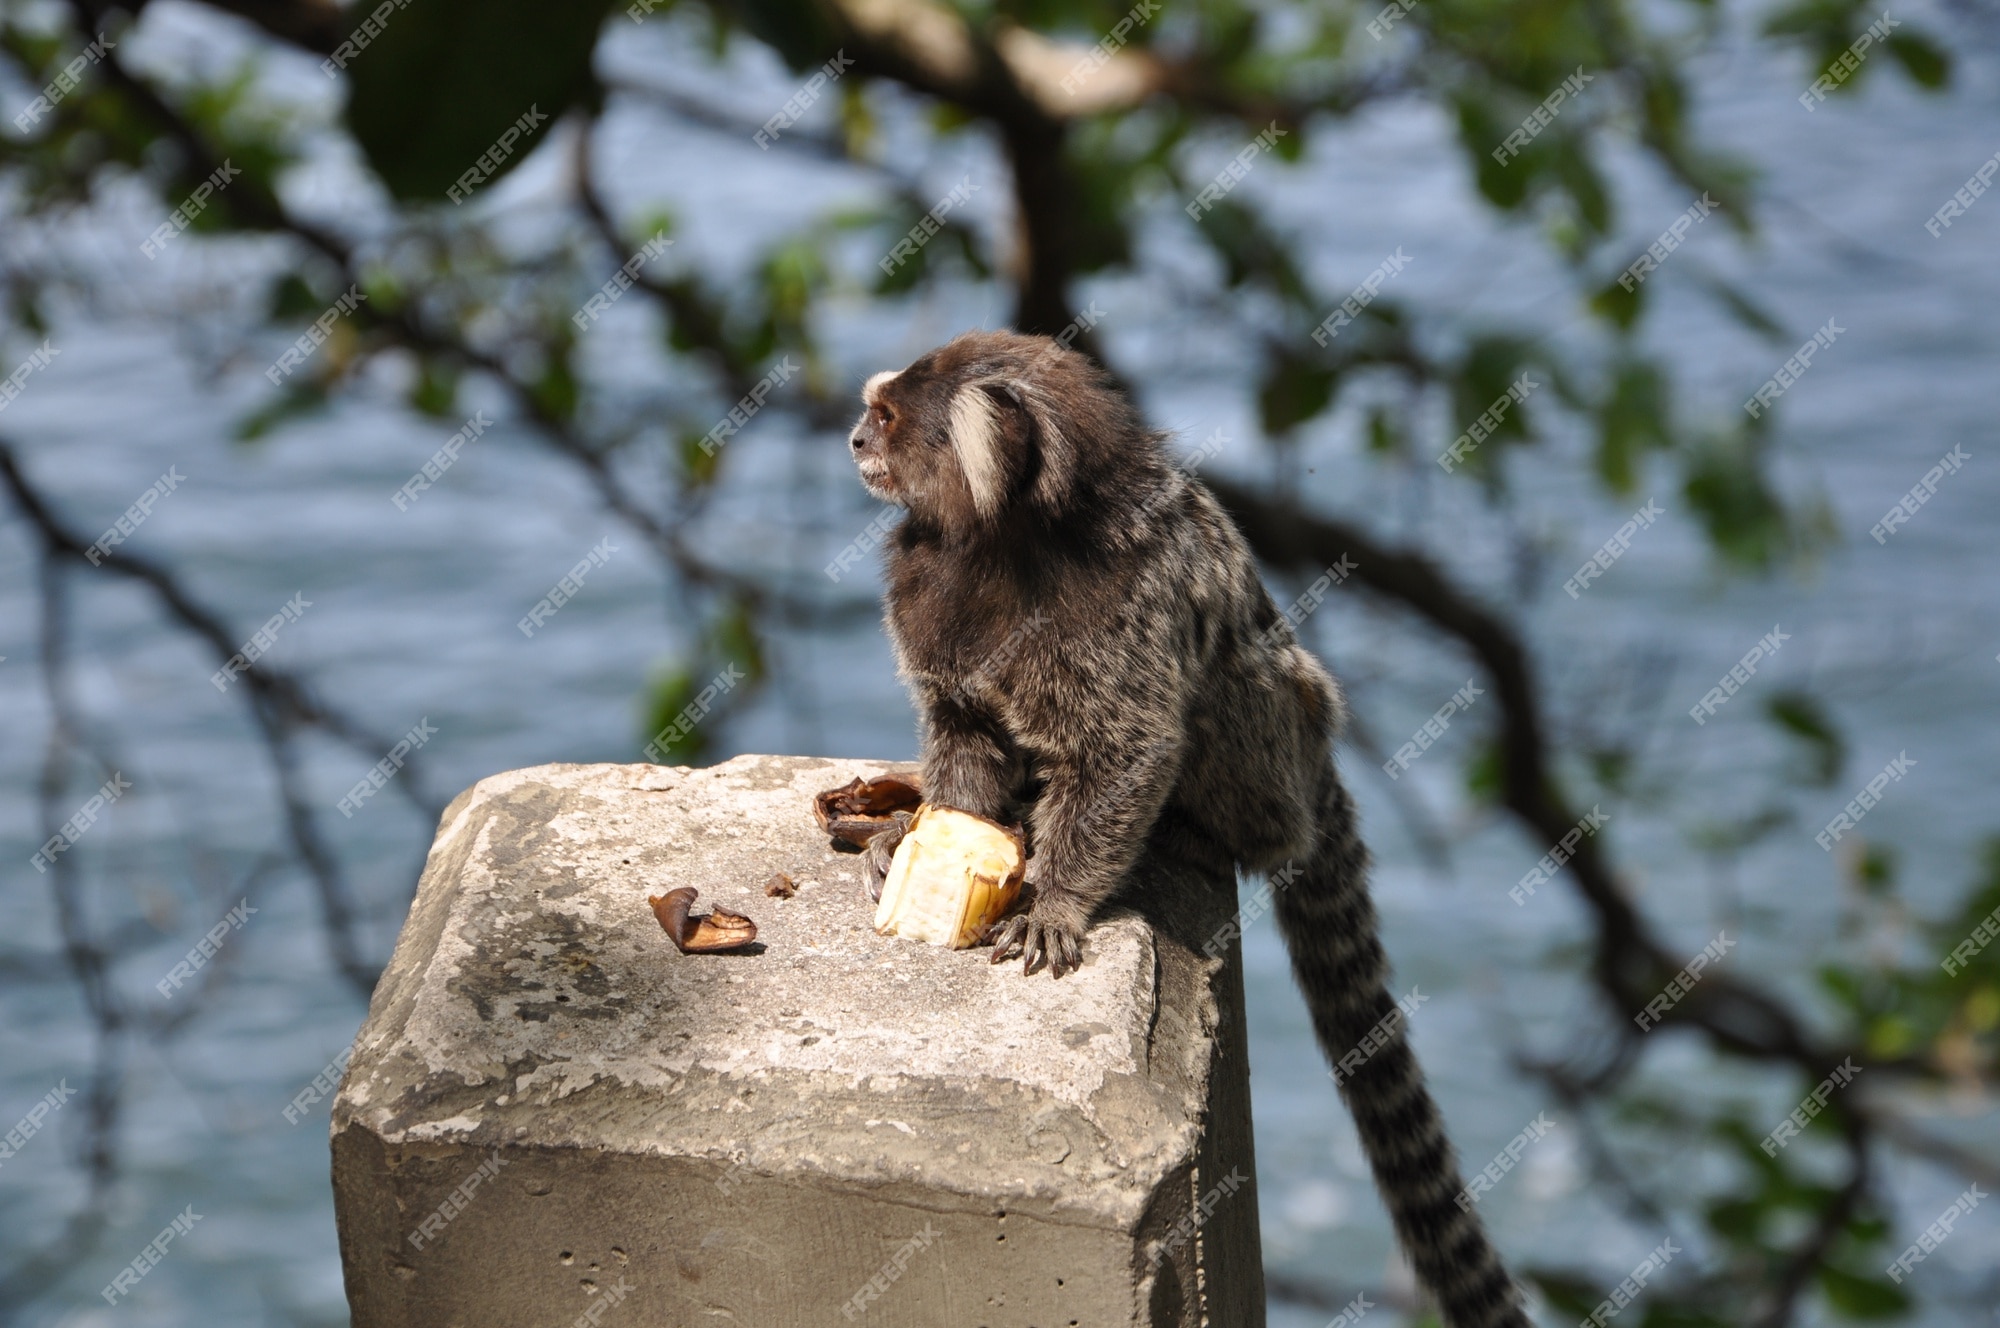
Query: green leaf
{"x": 1732, "y": 498}
{"x": 445, "y": 80}
{"x": 292, "y": 298}
{"x": 1926, "y": 64}
{"x": 1805, "y": 717}
{"x": 1632, "y": 418}
{"x": 1862, "y": 1297}
{"x": 1617, "y": 305}
{"x": 300, "y": 398}
{"x": 1293, "y": 391}
{"x": 436, "y": 389}
{"x": 667, "y": 697}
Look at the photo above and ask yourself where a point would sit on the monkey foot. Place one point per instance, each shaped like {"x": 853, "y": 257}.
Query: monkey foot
{"x": 1038, "y": 941}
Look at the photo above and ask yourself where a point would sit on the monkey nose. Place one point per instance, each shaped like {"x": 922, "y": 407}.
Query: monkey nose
{"x": 854, "y": 440}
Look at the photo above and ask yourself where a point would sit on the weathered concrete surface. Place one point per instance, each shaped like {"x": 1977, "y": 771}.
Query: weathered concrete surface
{"x": 750, "y": 1139}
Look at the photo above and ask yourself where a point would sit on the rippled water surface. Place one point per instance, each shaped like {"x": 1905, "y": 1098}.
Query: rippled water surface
{"x": 412, "y": 618}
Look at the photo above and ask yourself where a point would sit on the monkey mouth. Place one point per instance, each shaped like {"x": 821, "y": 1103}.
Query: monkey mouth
{"x": 875, "y": 478}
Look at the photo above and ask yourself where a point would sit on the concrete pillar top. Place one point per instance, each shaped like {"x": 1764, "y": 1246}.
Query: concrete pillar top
{"x": 533, "y": 1002}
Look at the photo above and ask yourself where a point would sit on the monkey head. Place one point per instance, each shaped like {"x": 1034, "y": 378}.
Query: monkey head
{"x": 993, "y": 425}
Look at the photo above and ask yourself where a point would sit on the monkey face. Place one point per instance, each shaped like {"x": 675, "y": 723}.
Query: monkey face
{"x": 972, "y": 431}
{"x": 888, "y": 427}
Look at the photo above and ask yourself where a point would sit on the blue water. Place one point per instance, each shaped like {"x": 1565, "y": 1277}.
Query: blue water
{"x": 412, "y": 617}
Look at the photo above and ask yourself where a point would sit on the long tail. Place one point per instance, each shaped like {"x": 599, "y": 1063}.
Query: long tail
{"x": 1330, "y": 928}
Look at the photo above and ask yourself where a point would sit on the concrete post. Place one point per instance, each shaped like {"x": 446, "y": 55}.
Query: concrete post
{"x": 553, "y": 1117}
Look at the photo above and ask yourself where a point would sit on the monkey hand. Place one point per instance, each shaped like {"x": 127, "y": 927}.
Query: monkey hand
{"x": 1050, "y": 932}
{"x": 881, "y": 848}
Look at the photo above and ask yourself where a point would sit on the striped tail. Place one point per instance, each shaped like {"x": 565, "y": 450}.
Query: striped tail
{"x": 1329, "y": 925}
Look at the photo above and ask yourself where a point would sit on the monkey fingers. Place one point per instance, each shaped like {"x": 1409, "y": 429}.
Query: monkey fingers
{"x": 881, "y": 850}
{"x": 1038, "y": 942}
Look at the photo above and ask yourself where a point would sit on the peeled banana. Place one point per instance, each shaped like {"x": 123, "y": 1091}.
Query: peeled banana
{"x": 952, "y": 877}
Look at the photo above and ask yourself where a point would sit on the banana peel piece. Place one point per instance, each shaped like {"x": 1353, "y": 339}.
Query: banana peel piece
{"x": 715, "y": 931}
{"x": 953, "y": 876}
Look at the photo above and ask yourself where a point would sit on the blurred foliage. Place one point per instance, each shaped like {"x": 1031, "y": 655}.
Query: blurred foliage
{"x": 442, "y": 80}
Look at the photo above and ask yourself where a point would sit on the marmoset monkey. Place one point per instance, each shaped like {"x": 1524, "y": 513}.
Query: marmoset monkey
{"x": 1088, "y": 644}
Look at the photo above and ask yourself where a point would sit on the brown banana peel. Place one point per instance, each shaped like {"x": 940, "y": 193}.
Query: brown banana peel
{"x": 717, "y": 930}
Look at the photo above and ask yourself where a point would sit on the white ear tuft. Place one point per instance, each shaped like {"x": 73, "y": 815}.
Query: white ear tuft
{"x": 876, "y": 382}
{"x": 975, "y": 437}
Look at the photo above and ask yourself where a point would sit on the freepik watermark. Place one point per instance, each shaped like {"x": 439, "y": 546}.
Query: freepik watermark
{"x": 260, "y": 643}
{"x": 1809, "y": 1107}
{"x": 1683, "y": 982}
{"x": 197, "y": 958}
{"x": 1628, "y": 1290}
{"x": 693, "y": 713}
{"x": 612, "y": 1295}
{"x": 487, "y": 164}
{"x": 1934, "y": 1235}
{"x": 801, "y": 101}
{"x": 1351, "y": 1315}
{"x": 1738, "y": 676}
{"x": 359, "y": 39}
{"x": 135, "y": 516}
{"x": 567, "y": 589}
{"x": 1613, "y": 549}
{"x": 386, "y": 768}
{"x": 1968, "y": 949}
{"x": 861, "y": 545}
{"x": 890, "y": 1273}
{"x": 1432, "y": 729}
{"x": 1082, "y": 323}
{"x": 1111, "y": 798}
{"x": 155, "y": 1251}
{"x": 1850, "y": 816}
{"x": 1378, "y": 27}
{"x": 64, "y": 83}
{"x": 1551, "y": 862}
{"x": 195, "y": 204}
{"x": 38, "y": 359}
{"x": 1188, "y": 467}
{"x": 441, "y": 461}
{"x": 927, "y": 225}
{"x": 621, "y": 281}
{"x": 989, "y": 670}
{"x": 322, "y": 1084}
{"x": 1204, "y": 1208}
{"x": 1967, "y": 194}
{"x": 1919, "y": 494}
{"x": 1849, "y": 60}
{"x": 1489, "y": 419}
{"x": 1108, "y": 45}
{"x": 1670, "y": 239}
{"x": 1791, "y": 370}
{"x": 315, "y": 336}
{"x": 30, "y": 1125}
{"x": 1363, "y": 295}
{"x": 72, "y": 830}
{"x": 1386, "y": 1031}
{"x": 1255, "y": 907}
{"x": 1232, "y": 175}
{"x": 1290, "y": 619}
{"x": 455, "y": 1202}
{"x": 1504, "y": 1161}
{"x": 1541, "y": 117}
{"x": 741, "y": 413}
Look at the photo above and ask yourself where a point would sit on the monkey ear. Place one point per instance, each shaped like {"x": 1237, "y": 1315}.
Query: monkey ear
{"x": 1055, "y": 461}
{"x": 976, "y": 439}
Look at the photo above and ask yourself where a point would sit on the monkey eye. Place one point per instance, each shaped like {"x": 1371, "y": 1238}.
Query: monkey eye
{"x": 888, "y": 416}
